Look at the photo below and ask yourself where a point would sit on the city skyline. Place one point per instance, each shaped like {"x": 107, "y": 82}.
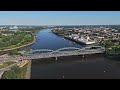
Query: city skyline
{"x": 59, "y": 17}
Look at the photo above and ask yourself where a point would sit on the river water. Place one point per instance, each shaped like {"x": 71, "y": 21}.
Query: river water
{"x": 72, "y": 67}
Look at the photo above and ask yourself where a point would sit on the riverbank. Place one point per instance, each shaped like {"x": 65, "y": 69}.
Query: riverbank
{"x": 73, "y": 40}
{"x": 28, "y": 72}
{"x": 19, "y": 46}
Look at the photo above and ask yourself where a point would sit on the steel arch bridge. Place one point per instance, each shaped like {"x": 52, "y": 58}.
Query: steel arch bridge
{"x": 68, "y": 48}
{"x": 66, "y": 51}
{"x": 38, "y": 51}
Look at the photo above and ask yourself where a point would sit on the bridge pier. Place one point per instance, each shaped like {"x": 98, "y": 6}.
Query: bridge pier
{"x": 55, "y": 58}
{"x": 83, "y": 55}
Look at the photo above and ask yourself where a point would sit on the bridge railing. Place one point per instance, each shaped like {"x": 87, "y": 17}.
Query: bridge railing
{"x": 59, "y": 51}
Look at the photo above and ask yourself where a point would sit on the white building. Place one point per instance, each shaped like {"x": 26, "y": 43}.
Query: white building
{"x": 15, "y": 28}
{"x": 86, "y": 41}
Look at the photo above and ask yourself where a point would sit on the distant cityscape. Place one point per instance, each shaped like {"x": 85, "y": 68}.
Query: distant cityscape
{"x": 9, "y": 27}
{"x": 93, "y": 33}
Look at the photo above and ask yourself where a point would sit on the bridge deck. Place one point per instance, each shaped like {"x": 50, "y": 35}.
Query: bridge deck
{"x": 55, "y": 53}
{"x": 63, "y": 53}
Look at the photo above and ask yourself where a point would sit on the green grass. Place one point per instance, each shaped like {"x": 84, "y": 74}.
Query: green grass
{"x": 26, "y": 40}
{"x": 5, "y": 64}
{"x": 15, "y": 73}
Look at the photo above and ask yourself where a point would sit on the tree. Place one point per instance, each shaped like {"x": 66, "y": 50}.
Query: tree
{"x": 14, "y": 52}
{"x": 18, "y": 72}
{"x": 9, "y": 75}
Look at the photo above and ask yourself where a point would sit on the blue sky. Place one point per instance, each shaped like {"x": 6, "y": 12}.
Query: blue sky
{"x": 59, "y": 17}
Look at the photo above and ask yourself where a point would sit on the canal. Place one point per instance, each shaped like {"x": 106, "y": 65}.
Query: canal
{"x": 72, "y": 67}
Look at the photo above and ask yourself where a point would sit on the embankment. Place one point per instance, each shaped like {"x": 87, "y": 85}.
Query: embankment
{"x": 28, "y": 72}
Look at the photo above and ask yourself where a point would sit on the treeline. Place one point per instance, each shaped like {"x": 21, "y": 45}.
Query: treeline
{"x": 112, "y": 48}
{"x": 33, "y": 30}
{"x": 64, "y": 32}
{"x": 117, "y": 27}
{"x": 7, "y": 32}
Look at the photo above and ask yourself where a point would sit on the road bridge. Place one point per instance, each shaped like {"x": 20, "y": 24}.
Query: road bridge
{"x": 66, "y": 51}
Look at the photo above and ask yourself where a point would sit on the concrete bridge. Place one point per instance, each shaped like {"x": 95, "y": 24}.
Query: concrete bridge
{"x": 67, "y": 51}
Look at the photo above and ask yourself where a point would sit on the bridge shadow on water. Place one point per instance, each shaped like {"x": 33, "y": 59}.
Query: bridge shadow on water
{"x": 67, "y": 59}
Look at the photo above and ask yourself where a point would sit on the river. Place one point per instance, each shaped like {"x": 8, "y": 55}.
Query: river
{"x": 72, "y": 67}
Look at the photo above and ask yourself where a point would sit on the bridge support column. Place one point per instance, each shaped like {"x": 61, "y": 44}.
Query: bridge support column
{"x": 83, "y": 55}
{"x": 55, "y": 58}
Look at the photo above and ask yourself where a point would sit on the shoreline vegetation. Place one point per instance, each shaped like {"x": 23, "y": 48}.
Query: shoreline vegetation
{"x": 19, "y": 46}
{"x": 28, "y": 71}
{"x": 112, "y": 49}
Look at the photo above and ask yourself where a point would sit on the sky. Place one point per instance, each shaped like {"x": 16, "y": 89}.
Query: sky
{"x": 59, "y": 17}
